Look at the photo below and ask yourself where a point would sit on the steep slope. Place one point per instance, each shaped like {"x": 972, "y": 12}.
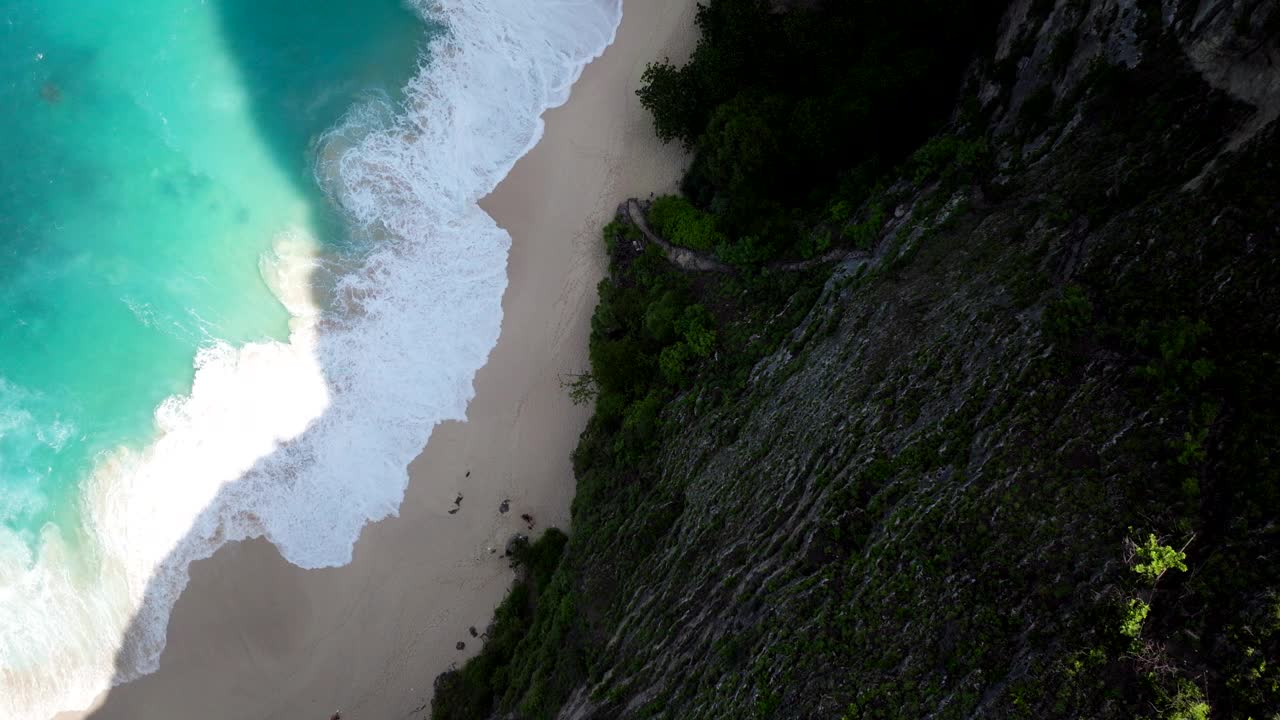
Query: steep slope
{"x": 951, "y": 477}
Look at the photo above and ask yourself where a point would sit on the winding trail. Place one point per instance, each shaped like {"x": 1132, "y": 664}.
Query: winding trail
{"x": 694, "y": 261}
{"x": 683, "y": 258}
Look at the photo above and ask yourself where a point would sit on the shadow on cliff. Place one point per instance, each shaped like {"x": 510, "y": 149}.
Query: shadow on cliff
{"x": 303, "y": 63}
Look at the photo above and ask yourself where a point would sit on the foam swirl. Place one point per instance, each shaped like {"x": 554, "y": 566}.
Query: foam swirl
{"x": 304, "y": 442}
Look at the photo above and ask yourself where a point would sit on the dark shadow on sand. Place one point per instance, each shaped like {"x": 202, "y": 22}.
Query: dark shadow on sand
{"x": 306, "y": 61}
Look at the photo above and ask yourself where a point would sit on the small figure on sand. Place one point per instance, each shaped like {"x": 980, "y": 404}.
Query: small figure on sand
{"x": 51, "y": 93}
{"x": 336, "y": 716}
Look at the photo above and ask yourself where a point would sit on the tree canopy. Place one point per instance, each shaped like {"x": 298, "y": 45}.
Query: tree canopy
{"x": 784, "y": 109}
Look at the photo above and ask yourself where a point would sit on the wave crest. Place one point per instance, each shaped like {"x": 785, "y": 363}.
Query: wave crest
{"x": 306, "y": 441}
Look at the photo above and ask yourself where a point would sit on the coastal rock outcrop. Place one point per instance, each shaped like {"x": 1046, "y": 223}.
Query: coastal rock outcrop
{"x": 964, "y": 474}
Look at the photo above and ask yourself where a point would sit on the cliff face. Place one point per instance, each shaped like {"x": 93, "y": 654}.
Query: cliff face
{"x": 936, "y": 493}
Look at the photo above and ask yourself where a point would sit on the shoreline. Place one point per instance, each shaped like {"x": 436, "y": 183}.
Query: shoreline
{"x": 253, "y": 636}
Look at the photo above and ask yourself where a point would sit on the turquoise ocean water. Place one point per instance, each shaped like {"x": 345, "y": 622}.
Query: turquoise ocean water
{"x": 151, "y": 153}
{"x": 243, "y": 274}
{"x": 153, "y": 150}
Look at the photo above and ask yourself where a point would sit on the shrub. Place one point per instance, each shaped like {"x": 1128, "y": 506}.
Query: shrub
{"x": 838, "y": 212}
{"x": 815, "y": 242}
{"x": 778, "y": 106}
{"x": 682, "y": 224}
{"x": 660, "y": 319}
{"x": 665, "y": 90}
{"x": 640, "y": 422}
{"x": 695, "y": 327}
{"x": 673, "y": 362}
{"x": 1134, "y": 615}
{"x": 1181, "y": 346}
{"x": 1155, "y": 560}
{"x": 1069, "y": 315}
{"x": 620, "y": 366}
{"x": 540, "y": 558}
{"x": 747, "y": 251}
{"x": 864, "y": 234}
{"x": 950, "y": 158}
{"x": 1186, "y": 704}
{"x": 581, "y": 387}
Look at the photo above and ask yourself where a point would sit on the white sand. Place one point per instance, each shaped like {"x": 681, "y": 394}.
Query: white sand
{"x": 254, "y": 637}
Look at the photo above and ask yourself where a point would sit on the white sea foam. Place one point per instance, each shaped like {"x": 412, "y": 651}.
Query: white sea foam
{"x": 29, "y": 427}
{"x": 307, "y": 441}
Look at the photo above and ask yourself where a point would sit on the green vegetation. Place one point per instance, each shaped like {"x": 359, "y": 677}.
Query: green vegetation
{"x": 471, "y": 693}
{"x": 647, "y": 335}
{"x": 785, "y": 110}
{"x": 1134, "y": 615}
{"x": 940, "y": 481}
{"x": 677, "y": 220}
{"x": 1070, "y": 314}
{"x": 951, "y": 159}
{"x": 1154, "y": 560}
{"x": 1186, "y": 703}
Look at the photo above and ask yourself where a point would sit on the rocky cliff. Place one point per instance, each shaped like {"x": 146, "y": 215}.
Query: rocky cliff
{"x": 1017, "y": 459}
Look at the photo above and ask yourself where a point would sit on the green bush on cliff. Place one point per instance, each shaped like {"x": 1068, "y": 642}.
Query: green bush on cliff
{"x": 783, "y": 108}
{"x": 682, "y": 224}
{"x": 950, "y": 158}
{"x": 472, "y": 692}
{"x": 1068, "y": 315}
{"x": 647, "y": 333}
{"x": 1135, "y": 613}
{"x": 1154, "y": 560}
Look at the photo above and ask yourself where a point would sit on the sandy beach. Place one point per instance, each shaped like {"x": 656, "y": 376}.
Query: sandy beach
{"x": 255, "y": 637}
